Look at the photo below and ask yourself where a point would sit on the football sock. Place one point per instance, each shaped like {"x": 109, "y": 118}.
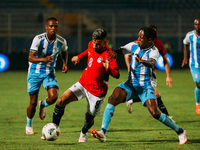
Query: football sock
{"x": 44, "y": 103}
{"x": 57, "y": 114}
{"x": 86, "y": 127}
{"x": 168, "y": 122}
{"x": 108, "y": 114}
{"x": 197, "y": 95}
{"x": 29, "y": 122}
{"x": 161, "y": 106}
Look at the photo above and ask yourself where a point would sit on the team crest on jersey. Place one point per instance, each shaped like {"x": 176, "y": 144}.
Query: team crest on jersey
{"x": 99, "y": 60}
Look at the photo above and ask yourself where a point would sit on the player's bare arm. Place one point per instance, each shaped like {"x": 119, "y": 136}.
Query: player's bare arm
{"x": 149, "y": 63}
{"x": 185, "y": 53}
{"x": 32, "y": 58}
{"x": 75, "y": 60}
{"x": 64, "y": 59}
{"x": 167, "y": 70}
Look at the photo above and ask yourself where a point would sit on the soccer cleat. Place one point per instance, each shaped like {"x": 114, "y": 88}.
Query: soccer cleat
{"x": 170, "y": 117}
{"x": 129, "y": 107}
{"x": 42, "y": 112}
{"x": 29, "y": 130}
{"x": 198, "y": 109}
{"x": 99, "y": 135}
{"x": 83, "y": 137}
{"x": 182, "y": 138}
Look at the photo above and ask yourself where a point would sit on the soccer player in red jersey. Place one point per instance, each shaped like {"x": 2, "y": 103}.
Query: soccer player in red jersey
{"x": 159, "y": 45}
{"x": 93, "y": 82}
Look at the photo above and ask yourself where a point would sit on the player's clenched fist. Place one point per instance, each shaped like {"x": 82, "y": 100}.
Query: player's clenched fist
{"x": 75, "y": 60}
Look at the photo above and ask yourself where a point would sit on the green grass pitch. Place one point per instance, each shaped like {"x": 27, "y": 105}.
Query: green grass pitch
{"x": 127, "y": 131}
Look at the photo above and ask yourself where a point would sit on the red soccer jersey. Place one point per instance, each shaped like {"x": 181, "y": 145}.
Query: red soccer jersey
{"x": 160, "y": 47}
{"x": 95, "y": 77}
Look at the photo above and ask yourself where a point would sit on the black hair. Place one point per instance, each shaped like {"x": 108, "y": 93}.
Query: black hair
{"x": 99, "y": 34}
{"x": 51, "y": 18}
{"x": 152, "y": 26}
{"x": 149, "y": 33}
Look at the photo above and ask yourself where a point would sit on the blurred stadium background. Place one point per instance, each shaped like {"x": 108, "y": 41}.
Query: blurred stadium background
{"x": 21, "y": 20}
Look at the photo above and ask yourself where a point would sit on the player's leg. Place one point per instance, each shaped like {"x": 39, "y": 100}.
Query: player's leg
{"x": 161, "y": 106}
{"x": 197, "y": 96}
{"x": 51, "y": 85}
{"x": 74, "y": 93}
{"x": 88, "y": 123}
{"x": 152, "y": 107}
{"x": 67, "y": 97}
{"x": 196, "y": 77}
{"x": 34, "y": 83}
{"x": 31, "y": 112}
{"x": 94, "y": 104}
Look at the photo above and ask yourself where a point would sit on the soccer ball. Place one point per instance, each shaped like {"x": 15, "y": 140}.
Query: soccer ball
{"x": 50, "y": 132}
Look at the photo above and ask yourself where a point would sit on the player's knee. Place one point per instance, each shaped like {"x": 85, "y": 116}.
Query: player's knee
{"x": 52, "y": 98}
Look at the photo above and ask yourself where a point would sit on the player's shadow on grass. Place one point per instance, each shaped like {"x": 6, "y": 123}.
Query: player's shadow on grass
{"x": 137, "y": 130}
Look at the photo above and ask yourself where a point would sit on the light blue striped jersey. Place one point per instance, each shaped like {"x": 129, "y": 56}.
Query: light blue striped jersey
{"x": 140, "y": 74}
{"x": 193, "y": 40}
{"x": 44, "y": 48}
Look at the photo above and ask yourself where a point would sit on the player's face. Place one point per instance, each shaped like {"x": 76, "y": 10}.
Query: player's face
{"x": 143, "y": 42}
{"x": 98, "y": 44}
{"x": 52, "y": 27}
{"x": 197, "y": 25}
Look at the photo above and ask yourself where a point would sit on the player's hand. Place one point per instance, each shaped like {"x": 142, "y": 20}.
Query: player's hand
{"x": 48, "y": 59}
{"x": 75, "y": 60}
{"x": 138, "y": 59}
{"x": 169, "y": 82}
{"x": 106, "y": 63}
{"x": 64, "y": 68}
{"x": 113, "y": 55}
{"x": 184, "y": 62}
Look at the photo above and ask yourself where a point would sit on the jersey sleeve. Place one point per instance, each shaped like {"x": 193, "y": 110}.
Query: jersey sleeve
{"x": 64, "y": 46}
{"x": 35, "y": 44}
{"x": 186, "y": 40}
{"x": 154, "y": 54}
{"x": 113, "y": 70}
{"x": 160, "y": 47}
{"x": 126, "y": 49}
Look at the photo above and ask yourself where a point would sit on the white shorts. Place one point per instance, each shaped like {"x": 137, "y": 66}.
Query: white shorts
{"x": 93, "y": 102}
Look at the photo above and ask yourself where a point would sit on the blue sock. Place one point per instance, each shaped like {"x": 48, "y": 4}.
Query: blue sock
{"x": 197, "y": 95}
{"x": 108, "y": 114}
{"x": 44, "y": 103}
{"x": 29, "y": 122}
{"x": 168, "y": 122}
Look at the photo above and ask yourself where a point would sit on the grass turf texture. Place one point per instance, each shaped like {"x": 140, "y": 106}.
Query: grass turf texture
{"x": 127, "y": 131}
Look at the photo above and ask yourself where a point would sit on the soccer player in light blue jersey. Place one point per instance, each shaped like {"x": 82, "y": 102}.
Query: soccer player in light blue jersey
{"x": 143, "y": 58}
{"x": 192, "y": 43}
{"x": 42, "y": 61}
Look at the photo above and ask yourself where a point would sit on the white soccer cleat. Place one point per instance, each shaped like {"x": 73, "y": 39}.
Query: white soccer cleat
{"x": 182, "y": 138}
{"x": 99, "y": 135}
{"x": 129, "y": 107}
{"x": 83, "y": 137}
{"x": 29, "y": 130}
{"x": 42, "y": 113}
